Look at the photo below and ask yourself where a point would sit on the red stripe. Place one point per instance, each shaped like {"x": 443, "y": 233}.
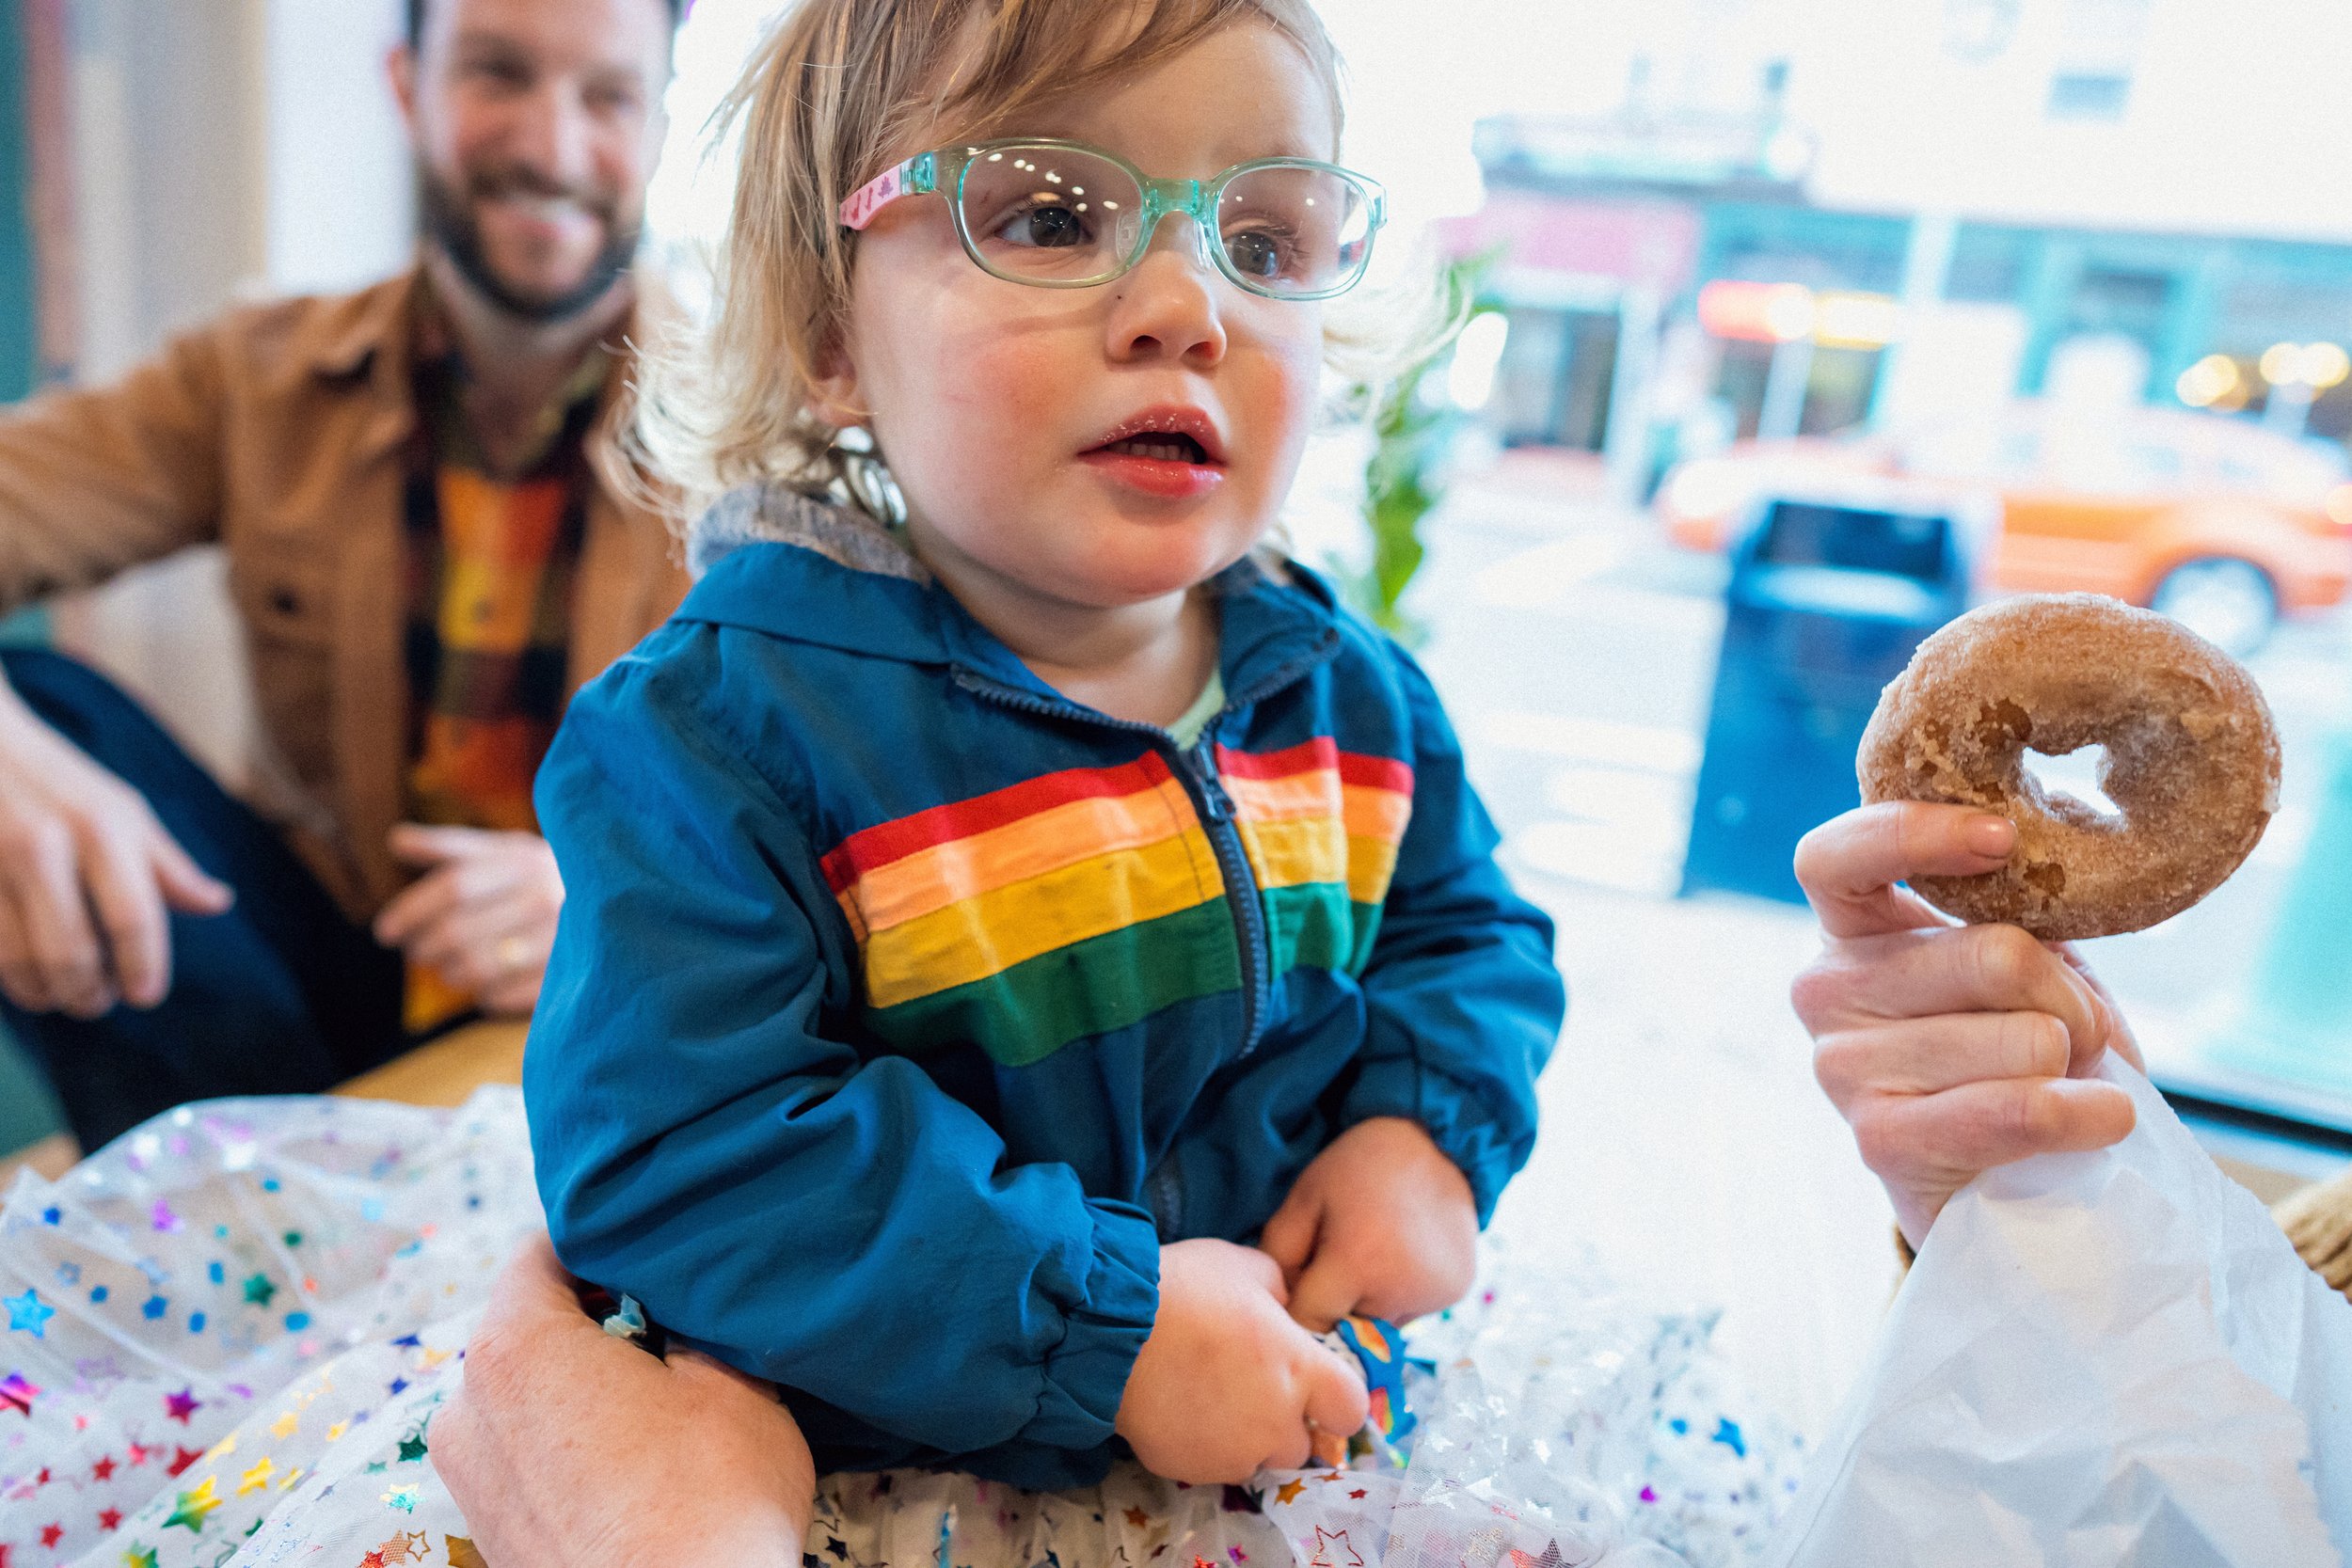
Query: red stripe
{"x": 1321, "y": 752}
{"x": 1376, "y": 772}
{"x": 887, "y": 842}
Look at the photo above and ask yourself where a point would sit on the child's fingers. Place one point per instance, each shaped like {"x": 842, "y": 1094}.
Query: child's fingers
{"x": 1289, "y": 1237}
{"x": 1849, "y": 865}
{"x": 1927, "y": 1055}
{"x": 1943, "y": 1140}
{"x": 1337, "y": 1401}
{"x": 1325, "y": 1293}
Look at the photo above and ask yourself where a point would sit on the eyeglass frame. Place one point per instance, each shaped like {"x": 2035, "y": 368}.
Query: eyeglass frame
{"x": 1162, "y": 198}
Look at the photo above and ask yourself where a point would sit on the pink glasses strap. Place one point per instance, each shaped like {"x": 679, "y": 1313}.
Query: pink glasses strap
{"x": 879, "y": 191}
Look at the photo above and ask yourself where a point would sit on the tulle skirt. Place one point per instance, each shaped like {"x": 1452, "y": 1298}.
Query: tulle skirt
{"x": 230, "y": 1331}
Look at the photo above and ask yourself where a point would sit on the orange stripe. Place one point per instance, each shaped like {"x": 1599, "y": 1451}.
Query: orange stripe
{"x": 928, "y": 881}
{"x": 1369, "y": 811}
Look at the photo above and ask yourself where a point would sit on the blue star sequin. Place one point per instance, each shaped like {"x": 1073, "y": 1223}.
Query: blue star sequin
{"x": 154, "y": 1308}
{"x": 1727, "y": 1433}
{"x": 53, "y": 1216}
{"x": 98, "y": 1294}
{"x": 29, "y": 1314}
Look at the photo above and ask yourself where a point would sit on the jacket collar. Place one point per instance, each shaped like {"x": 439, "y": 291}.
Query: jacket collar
{"x": 794, "y": 566}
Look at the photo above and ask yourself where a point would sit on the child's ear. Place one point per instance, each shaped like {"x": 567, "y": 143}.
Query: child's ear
{"x": 832, "y": 394}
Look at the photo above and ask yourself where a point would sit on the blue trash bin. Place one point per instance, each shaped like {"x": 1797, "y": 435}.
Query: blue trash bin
{"x": 1827, "y": 600}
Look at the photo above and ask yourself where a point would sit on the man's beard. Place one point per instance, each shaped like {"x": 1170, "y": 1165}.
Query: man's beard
{"x": 450, "y": 223}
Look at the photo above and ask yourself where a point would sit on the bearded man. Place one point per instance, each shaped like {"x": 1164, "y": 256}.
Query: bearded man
{"x": 429, "y": 550}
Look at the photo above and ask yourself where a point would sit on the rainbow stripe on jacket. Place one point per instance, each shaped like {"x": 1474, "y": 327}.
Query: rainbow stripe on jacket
{"x": 1087, "y": 899}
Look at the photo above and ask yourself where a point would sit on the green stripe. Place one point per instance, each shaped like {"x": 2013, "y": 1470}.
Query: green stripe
{"x": 1027, "y": 1013}
{"x": 1317, "y": 924}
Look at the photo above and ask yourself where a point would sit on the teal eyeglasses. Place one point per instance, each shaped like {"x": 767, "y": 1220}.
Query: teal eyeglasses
{"x": 1061, "y": 214}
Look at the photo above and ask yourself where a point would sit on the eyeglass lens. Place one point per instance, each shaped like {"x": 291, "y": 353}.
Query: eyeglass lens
{"x": 1051, "y": 215}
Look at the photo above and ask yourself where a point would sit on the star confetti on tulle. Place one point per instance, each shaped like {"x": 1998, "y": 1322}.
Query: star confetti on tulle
{"x": 181, "y": 1405}
{"x": 285, "y": 1424}
{"x": 463, "y": 1553}
{"x": 1727, "y": 1433}
{"x": 111, "y": 1520}
{"x": 403, "y": 1497}
{"x": 154, "y": 1308}
{"x": 29, "y": 1314}
{"x": 1138, "y": 1517}
{"x": 181, "y": 1457}
{"x": 18, "y": 1394}
{"x": 104, "y": 1469}
{"x": 193, "y": 1505}
{"x": 258, "y": 1477}
{"x": 50, "y": 1535}
{"x": 412, "y": 1447}
{"x": 164, "y": 1219}
{"x": 140, "y": 1556}
{"x": 1287, "y": 1492}
{"x": 258, "y": 1290}
{"x": 1346, "y": 1557}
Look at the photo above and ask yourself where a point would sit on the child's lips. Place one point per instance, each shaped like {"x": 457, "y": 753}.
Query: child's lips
{"x": 1172, "y": 479}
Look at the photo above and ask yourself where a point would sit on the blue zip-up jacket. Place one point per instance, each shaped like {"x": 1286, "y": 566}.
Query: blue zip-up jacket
{"x": 901, "y": 1007}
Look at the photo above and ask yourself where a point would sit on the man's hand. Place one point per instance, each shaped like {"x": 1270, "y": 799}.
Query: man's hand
{"x": 1949, "y": 1049}
{"x": 1228, "y": 1384}
{"x": 1381, "y": 1222}
{"x": 482, "y": 916}
{"x": 86, "y": 877}
{"x": 565, "y": 1446}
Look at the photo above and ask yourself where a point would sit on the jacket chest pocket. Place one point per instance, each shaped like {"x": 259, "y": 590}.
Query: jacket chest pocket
{"x": 286, "y": 602}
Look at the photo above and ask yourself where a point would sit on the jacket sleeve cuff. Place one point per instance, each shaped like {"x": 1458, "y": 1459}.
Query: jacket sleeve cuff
{"x": 1085, "y": 1376}
{"x": 1392, "y": 1087}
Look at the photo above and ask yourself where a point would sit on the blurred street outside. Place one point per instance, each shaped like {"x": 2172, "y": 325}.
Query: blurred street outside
{"x": 1685, "y": 1141}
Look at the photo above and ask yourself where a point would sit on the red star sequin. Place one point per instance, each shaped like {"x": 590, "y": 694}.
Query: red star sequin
{"x": 104, "y": 1469}
{"x": 184, "y": 1458}
{"x": 111, "y": 1520}
{"x": 138, "y": 1455}
{"x": 51, "y": 1534}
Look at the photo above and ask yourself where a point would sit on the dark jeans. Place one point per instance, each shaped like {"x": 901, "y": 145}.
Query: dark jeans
{"x": 281, "y": 995}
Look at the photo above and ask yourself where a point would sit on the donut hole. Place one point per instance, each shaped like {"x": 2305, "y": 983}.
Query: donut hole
{"x": 2075, "y": 775}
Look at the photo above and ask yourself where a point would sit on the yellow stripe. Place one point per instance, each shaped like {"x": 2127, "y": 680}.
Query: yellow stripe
{"x": 986, "y": 934}
{"x": 930, "y": 879}
{"x": 1293, "y": 854}
{"x": 1371, "y": 868}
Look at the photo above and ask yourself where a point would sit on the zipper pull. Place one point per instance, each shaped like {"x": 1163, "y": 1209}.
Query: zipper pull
{"x": 1218, "y": 805}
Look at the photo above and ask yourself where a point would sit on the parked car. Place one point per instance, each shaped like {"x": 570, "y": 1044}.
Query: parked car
{"x": 2222, "y": 524}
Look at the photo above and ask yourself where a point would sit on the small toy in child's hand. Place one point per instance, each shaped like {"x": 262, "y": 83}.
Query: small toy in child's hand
{"x": 1377, "y": 1348}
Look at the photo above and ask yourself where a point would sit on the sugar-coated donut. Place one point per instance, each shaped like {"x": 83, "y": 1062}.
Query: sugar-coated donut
{"x": 2192, "y": 759}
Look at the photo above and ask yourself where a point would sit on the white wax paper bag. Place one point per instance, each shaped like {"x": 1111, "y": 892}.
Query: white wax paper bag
{"x": 2109, "y": 1358}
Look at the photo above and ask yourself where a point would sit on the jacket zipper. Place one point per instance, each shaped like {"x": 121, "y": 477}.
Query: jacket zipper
{"x": 1197, "y": 770}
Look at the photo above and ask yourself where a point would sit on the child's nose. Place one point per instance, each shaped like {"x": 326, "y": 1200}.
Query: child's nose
{"x": 1169, "y": 306}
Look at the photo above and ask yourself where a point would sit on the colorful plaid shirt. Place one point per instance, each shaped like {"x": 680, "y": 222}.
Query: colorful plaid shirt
{"x": 491, "y": 563}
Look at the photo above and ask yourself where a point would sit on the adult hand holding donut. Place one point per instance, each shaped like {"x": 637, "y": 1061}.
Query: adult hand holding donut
{"x": 1949, "y": 1049}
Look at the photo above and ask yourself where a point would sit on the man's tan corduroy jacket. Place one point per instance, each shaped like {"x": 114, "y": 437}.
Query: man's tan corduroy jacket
{"x": 281, "y": 432}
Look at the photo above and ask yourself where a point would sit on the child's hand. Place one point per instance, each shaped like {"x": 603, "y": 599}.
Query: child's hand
{"x": 1382, "y": 1223}
{"x": 1949, "y": 1049}
{"x": 1227, "y": 1384}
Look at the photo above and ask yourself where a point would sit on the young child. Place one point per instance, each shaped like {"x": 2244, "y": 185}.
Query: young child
{"x": 1030, "y": 956}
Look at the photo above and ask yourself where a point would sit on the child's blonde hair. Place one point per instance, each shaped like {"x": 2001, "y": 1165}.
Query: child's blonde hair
{"x": 837, "y": 92}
